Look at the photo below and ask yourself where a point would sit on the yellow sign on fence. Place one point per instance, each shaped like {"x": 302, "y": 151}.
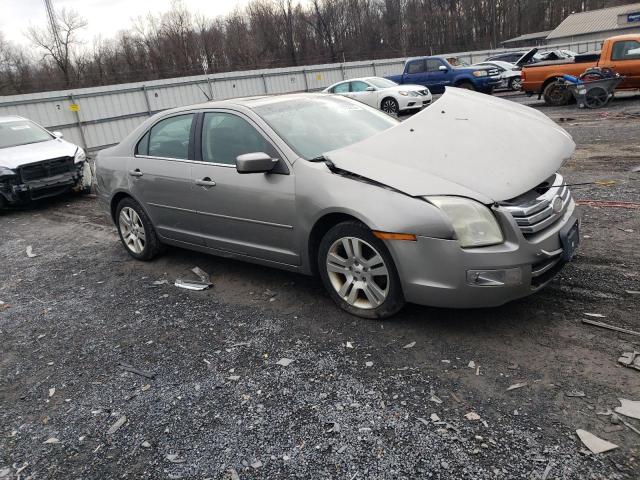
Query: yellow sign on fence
{"x": 74, "y": 107}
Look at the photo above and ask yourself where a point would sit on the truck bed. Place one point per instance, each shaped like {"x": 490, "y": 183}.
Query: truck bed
{"x": 582, "y": 58}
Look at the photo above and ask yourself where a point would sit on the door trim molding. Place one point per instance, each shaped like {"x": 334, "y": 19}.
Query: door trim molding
{"x": 248, "y": 220}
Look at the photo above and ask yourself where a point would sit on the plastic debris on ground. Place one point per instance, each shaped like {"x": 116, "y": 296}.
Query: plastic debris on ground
{"x": 593, "y": 443}
{"x": 192, "y": 284}
{"x": 285, "y": 362}
{"x": 629, "y": 408}
{"x": 30, "y": 253}
{"x": 516, "y": 385}
{"x": 630, "y": 359}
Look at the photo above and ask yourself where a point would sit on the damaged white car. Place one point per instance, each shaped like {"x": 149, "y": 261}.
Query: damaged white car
{"x": 36, "y": 163}
{"x": 459, "y": 206}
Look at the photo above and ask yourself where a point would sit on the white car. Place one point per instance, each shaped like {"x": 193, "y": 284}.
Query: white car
{"x": 383, "y": 94}
{"x": 36, "y": 163}
{"x": 511, "y": 74}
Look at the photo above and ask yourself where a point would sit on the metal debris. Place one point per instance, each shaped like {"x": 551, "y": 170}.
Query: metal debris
{"x": 192, "y": 284}
{"x": 516, "y": 385}
{"x": 610, "y": 327}
{"x": 629, "y": 408}
{"x": 116, "y": 426}
{"x": 410, "y": 345}
{"x": 593, "y": 443}
{"x": 630, "y": 359}
{"x": 30, "y": 253}
{"x": 285, "y": 362}
{"x": 595, "y": 315}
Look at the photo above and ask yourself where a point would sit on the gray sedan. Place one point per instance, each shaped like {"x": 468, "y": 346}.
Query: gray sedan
{"x": 435, "y": 210}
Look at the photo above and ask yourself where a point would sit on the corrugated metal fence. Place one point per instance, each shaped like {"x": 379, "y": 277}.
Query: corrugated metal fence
{"x": 98, "y": 117}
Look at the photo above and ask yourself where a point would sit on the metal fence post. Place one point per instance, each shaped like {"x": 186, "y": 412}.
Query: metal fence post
{"x": 306, "y": 82}
{"x": 375, "y": 73}
{"x": 146, "y": 97}
{"x": 344, "y": 77}
{"x": 264, "y": 84}
{"x": 78, "y": 122}
{"x": 210, "y": 86}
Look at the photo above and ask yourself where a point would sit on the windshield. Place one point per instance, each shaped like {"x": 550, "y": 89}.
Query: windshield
{"x": 314, "y": 126}
{"x": 381, "y": 82}
{"x": 21, "y": 132}
{"x": 457, "y": 62}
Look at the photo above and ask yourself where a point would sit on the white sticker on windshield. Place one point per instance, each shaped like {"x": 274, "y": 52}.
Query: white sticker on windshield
{"x": 20, "y": 127}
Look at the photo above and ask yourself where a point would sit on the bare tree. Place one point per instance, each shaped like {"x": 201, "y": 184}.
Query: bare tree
{"x": 60, "y": 41}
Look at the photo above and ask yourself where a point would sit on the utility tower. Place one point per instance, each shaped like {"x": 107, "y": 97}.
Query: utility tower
{"x": 53, "y": 24}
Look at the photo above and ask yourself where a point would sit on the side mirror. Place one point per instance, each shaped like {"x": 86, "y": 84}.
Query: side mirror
{"x": 258, "y": 162}
{"x": 57, "y": 134}
{"x": 442, "y": 68}
{"x": 370, "y": 89}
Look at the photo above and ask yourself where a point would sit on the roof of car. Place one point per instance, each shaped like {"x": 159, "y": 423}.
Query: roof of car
{"x": 251, "y": 102}
{"x": 12, "y": 118}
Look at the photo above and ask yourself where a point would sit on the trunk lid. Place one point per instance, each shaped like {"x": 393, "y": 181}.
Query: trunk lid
{"x": 467, "y": 144}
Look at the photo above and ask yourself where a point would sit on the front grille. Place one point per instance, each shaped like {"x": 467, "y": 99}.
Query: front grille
{"x": 47, "y": 168}
{"x": 493, "y": 72}
{"x": 541, "y": 207}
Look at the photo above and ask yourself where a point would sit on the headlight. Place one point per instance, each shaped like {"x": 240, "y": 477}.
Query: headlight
{"x": 414, "y": 94}
{"x": 6, "y": 172}
{"x": 474, "y": 224}
{"x": 80, "y": 156}
{"x": 480, "y": 73}
{"x": 404, "y": 94}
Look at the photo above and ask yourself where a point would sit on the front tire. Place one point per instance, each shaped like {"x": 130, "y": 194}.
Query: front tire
{"x": 136, "y": 230}
{"x": 390, "y": 106}
{"x": 515, "y": 84}
{"x": 358, "y": 272}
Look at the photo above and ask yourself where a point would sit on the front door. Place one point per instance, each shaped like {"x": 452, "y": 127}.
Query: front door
{"x": 249, "y": 214}
{"x": 437, "y": 79}
{"x": 359, "y": 92}
{"x": 160, "y": 177}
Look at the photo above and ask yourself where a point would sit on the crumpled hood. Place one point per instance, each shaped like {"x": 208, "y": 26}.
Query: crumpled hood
{"x": 467, "y": 144}
{"x": 14, "y": 157}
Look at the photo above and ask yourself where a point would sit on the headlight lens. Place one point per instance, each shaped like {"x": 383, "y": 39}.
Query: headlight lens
{"x": 6, "y": 172}
{"x": 80, "y": 155}
{"x": 404, "y": 94}
{"x": 480, "y": 73}
{"x": 474, "y": 224}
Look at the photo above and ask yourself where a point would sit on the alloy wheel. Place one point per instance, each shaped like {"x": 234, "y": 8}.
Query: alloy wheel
{"x": 358, "y": 273}
{"x": 132, "y": 230}
{"x": 390, "y": 106}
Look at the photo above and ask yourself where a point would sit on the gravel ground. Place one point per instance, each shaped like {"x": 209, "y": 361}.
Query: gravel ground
{"x": 360, "y": 399}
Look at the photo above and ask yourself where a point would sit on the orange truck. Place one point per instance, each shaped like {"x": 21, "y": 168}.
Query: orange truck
{"x": 620, "y": 53}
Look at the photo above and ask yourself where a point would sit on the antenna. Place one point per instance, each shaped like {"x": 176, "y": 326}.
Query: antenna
{"x": 53, "y": 24}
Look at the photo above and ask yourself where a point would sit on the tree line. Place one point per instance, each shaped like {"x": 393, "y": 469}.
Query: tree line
{"x": 266, "y": 34}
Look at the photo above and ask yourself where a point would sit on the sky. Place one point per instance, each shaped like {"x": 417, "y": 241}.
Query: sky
{"x": 104, "y": 17}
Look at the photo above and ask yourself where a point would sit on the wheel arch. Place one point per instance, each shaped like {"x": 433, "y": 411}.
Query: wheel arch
{"x": 117, "y": 197}
{"x": 388, "y": 97}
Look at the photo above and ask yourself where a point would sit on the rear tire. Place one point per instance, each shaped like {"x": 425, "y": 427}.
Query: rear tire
{"x": 358, "y": 272}
{"x": 136, "y": 231}
{"x": 557, "y": 94}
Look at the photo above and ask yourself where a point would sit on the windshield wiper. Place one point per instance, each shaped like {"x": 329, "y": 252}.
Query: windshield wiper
{"x": 319, "y": 158}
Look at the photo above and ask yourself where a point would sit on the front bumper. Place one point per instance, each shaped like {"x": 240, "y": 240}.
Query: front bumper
{"x": 410, "y": 103}
{"x": 15, "y": 191}
{"x": 440, "y": 273}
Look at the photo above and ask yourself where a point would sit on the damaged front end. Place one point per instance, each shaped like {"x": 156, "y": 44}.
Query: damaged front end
{"x": 43, "y": 179}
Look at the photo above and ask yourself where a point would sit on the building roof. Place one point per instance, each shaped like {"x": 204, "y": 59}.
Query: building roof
{"x": 529, "y": 36}
{"x": 594, "y": 21}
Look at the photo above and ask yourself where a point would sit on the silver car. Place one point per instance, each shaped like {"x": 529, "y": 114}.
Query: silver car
{"x": 435, "y": 210}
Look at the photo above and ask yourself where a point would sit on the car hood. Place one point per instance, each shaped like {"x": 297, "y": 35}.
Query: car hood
{"x": 14, "y": 157}
{"x": 405, "y": 88}
{"x": 467, "y": 144}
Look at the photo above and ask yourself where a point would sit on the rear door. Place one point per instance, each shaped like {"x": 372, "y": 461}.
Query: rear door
{"x": 248, "y": 214}
{"x": 625, "y": 59}
{"x": 160, "y": 176}
{"x": 416, "y": 73}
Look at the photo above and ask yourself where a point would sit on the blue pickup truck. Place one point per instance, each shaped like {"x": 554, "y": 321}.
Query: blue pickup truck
{"x": 439, "y": 72}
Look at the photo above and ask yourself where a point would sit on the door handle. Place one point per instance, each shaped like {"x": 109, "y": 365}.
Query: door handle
{"x": 206, "y": 182}
{"x": 135, "y": 173}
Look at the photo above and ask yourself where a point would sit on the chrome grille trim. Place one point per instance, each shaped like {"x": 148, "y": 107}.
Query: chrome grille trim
{"x": 533, "y": 215}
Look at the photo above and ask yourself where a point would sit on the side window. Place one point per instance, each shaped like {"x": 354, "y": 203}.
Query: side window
{"x": 359, "y": 86}
{"x": 341, "y": 88}
{"x": 169, "y": 138}
{"x": 416, "y": 66}
{"x": 433, "y": 65}
{"x": 627, "y": 50}
{"x": 143, "y": 145}
{"x": 225, "y": 136}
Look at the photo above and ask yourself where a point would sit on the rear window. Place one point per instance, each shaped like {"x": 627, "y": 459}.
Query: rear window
{"x": 22, "y": 132}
